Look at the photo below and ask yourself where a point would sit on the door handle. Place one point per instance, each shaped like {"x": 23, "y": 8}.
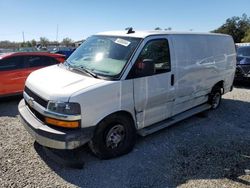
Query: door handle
{"x": 172, "y": 79}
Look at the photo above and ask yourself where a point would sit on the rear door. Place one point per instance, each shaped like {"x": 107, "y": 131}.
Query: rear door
{"x": 154, "y": 95}
{"x": 11, "y": 70}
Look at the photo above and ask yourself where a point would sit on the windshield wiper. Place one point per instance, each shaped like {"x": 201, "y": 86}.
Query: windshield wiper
{"x": 80, "y": 69}
{"x": 89, "y": 72}
{"x": 86, "y": 71}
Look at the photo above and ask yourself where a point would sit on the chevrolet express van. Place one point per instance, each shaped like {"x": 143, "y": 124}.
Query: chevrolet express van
{"x": 119, "y": 84}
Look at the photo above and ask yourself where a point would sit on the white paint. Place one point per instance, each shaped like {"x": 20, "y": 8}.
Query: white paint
{"x": 198, "y": 62}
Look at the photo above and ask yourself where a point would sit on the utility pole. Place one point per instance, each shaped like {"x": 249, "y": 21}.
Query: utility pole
{"x": 23, "y": 37}
{"x": 57, "y": 32}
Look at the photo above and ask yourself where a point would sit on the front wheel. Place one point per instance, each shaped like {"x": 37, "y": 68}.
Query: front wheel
{"x": 114, "y": 136}
{"x": 215, "y": 98}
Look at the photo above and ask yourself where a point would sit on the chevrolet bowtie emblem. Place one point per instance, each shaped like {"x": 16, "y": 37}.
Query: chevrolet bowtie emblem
{"x": 31, "y": 102}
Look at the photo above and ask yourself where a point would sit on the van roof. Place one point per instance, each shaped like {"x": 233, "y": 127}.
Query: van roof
{"x": 144, "y": 34}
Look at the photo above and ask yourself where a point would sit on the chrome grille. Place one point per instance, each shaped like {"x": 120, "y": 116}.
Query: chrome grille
{"x": 36, "y": 97}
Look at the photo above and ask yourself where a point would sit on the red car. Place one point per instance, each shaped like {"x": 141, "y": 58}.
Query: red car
{"x": 15, "y": 68}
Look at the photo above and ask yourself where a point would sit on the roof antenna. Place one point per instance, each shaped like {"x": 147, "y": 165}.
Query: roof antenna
{"x": 130, "y": 30}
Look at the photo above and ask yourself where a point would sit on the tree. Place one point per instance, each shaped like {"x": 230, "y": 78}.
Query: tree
{"x": 26, "y": 44}
{"x": 246, "y": 37}
{"x": 54, "y": 43}
{"x": 23, "y": 44}
{"x": 67, "y": 41}
{"x": 168, "y": 29}
{"x": 8, "y": 44}
{"x": 44, "y": 41}
{"x": 33, "y": 42}
{"x": 236, "y": 27}
{"x": 158, "y": 28}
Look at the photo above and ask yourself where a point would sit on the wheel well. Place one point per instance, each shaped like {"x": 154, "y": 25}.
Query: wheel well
{"x": 219, "y": 84}
{"x": 124, "y": 113}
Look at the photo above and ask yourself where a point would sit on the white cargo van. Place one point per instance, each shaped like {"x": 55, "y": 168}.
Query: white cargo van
{"x": 119, "y": 84}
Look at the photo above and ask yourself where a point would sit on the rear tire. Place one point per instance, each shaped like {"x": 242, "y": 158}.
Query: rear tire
{"x": 215, "y": 98}
{"x": 114, "y": 136}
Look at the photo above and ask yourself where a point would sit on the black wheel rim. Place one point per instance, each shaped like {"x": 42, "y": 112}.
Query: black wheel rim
{"x": 216, "y": 100}
{"x": 115, "y": 136}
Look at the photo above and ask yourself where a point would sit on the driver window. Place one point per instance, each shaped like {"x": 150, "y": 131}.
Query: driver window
{"x": 156, "y": 51}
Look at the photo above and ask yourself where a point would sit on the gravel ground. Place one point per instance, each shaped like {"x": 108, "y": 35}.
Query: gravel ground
{"x": 211, "y": 150}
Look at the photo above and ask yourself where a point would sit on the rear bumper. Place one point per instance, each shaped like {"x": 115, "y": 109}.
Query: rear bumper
{"x": 53, "y": 137}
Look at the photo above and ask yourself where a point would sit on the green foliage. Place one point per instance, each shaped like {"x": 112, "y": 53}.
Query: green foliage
{"x": 168, "y": 29}
{"x": 55, "y": 43}
{"x": 8, "y": 44}
{"x": 26, "y": 44}
{"x": 33, "y": 42}
{"x": 23, "y": 44}
{"x": 246, "y": 37}
{"x": 158, "y": 28}
{"x": 44, "y": 41}
{"x": 67, "y": 41}
{"x": 29, "y": 44}
{"x": 236, "y": 27}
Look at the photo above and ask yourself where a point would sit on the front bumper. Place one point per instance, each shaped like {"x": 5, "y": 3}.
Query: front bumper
{"x": 53, "y": 137}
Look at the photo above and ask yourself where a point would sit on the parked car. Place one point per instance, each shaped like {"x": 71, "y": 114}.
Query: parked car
{"x": 15, "y": 68}
{"x": 243, "y": 63}
{"x": 63, "y": 50}
{"x": 117, "y": 84}
{"x": 4, "y": 50}
{"x": 27, "y": 49}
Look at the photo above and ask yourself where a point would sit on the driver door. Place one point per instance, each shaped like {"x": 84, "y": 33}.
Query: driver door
{"x": 153, "y": 92}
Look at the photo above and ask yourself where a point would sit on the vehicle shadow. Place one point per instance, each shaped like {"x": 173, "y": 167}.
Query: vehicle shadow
{"x": 212, "y": 147}
{"x": 8, "y": 105}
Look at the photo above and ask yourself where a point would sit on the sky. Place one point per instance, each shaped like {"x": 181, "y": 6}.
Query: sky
{"x": 78, "y": 19}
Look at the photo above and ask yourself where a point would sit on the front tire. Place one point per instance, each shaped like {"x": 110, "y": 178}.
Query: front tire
{"x": 114, "y": 136}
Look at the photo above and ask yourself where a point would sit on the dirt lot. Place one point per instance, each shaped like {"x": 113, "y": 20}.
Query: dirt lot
{"x": 202, "y": 151}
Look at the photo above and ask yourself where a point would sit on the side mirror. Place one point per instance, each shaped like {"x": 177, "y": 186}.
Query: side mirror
{"x": 146, "y": 68}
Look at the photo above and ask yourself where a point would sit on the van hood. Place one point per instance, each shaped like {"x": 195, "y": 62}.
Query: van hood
{"x": 58, "y": 83}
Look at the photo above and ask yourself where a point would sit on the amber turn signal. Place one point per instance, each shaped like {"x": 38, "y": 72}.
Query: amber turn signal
{"x": 60, "y": 123}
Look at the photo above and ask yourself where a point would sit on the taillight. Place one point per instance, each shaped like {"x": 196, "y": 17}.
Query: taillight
{"x": 60, "y": 59}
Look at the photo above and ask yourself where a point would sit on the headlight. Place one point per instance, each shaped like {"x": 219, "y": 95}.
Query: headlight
{"x": 67, "y": 108}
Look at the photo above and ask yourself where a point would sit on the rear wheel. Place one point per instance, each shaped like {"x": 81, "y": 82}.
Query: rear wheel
{"x": 114, "y": 136}
{"x": 215, "y": 98}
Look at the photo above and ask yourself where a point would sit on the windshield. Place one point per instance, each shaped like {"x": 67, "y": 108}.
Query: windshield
{"x": 243, "y": 51}
{"x": 104, "y": 55}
